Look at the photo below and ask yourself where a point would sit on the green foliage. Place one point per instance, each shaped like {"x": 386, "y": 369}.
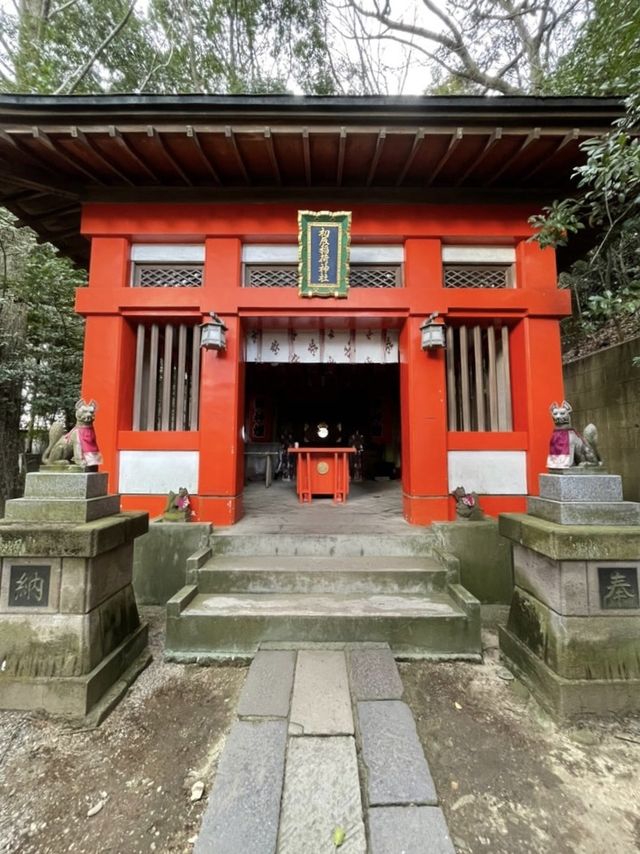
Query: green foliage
{"x": 610, "y": 184}
{"x": 170, "y": 46}
{"x": 606, "y": 282}
{"x": 556, "y": 223}
{"x": 41, "y": 356}
{"x": 605, "y": 59}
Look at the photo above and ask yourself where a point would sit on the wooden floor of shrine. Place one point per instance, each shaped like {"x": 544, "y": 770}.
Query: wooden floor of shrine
{"x": 372, "y": 507}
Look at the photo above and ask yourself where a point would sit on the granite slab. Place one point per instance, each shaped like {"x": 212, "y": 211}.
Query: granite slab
{"x": 321, "y": 793}
{"x": 396, "y": 769}
{"x": 374, "y": 675}
{"x": 244, "y": 805}
{"x": 410, "y": 830}
{"x": 321, "y": 704}
{"x": 267, "y": 689}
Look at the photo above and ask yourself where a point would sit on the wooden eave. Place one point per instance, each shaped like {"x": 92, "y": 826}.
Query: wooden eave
{"x": 58, "y": 152}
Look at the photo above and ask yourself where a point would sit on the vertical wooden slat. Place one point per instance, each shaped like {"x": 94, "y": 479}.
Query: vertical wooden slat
{"x": 506, "y": 367}
{"x": 137, "y": 386}
{"x": 165, "y": 421}
{"x": 195, "y": 379}
{"x": 144, "y": 389}
{"x": 153, "y": 378}
{"x": 493, "y": 390}
{"x": 451, "y": 380}
{"x": 502, "y": 414}
{"x": 479, "y": 378}
{"x": 464, "y": 379}
{"x": 180, "y": 374}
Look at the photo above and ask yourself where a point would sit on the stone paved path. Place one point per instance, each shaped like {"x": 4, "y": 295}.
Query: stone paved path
{"x": 371, "y": 507}
{"x": 322, "y": 742}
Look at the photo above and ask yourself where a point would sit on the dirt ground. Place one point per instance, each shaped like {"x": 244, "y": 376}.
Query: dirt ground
{"x": 141, "y": 762}
{"x": 510, "y": 780}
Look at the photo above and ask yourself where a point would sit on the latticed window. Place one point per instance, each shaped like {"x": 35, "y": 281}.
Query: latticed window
{"x": 478, "y": 378}
{"x": 367, "y": 276}
{"x": 167, "y": 377}
{"x": 478, "y": 276}
{"x": 263, "y": 276}
{"x": 167, "y": 275}
{"x": 286, "y": 276}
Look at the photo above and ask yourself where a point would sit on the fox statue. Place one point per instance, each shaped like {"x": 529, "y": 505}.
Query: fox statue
{"x": 568, "y": 448}
{"x": 79, "y": 445}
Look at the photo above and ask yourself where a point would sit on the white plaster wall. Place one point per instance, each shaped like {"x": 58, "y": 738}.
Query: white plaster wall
{"x": 153, "y": 472}
{"x": 273, "y": 253}
{"x": 171, "y": 253}
{"x": 489, "y": 472}
{"x": 478, "y": 254}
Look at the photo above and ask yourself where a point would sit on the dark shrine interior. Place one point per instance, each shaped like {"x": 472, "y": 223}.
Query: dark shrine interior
{"x": 324, "y": 406}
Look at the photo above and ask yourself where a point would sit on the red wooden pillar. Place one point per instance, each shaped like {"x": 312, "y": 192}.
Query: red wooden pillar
{"x": 536, "y": 357}
{"x": 424, "y": 429}
{"x": 423, "y": 393}
{"x": 537, "y": 381}
{"x": 109, "y": 354}
{"x": 222, "y": 392}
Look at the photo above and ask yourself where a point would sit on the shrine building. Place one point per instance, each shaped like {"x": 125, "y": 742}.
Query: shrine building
{"x": 367, "y": 261}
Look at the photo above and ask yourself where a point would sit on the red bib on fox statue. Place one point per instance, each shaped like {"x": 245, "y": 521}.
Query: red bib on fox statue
{"x": 560, "y": 455}
{"x": 89, "y": 445}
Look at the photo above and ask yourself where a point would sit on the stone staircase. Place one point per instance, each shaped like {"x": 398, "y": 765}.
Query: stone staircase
{"x": 246, "y": 591}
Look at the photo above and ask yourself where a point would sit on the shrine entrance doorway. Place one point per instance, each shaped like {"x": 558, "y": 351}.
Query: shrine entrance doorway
{"x": 323, "y": 405}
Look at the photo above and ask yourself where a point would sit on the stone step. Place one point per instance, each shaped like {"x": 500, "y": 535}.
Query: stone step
{"x": 203, "y": 626}
{"x": 312, "y": 574}
{"x": 330, "y": 545}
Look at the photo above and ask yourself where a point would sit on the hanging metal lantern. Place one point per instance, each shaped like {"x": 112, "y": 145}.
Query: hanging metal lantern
{"x": 213, "y": 333}
{"x": 432, "y": 332}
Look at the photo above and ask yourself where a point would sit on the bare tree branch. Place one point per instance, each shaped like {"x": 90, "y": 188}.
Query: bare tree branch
{"x": 154, "y": 70}
{"x": 503, "y": 46}
{"x": 454, "y": 43}
{"x": 76, "y": 77}
{"x": 62, "y": 8}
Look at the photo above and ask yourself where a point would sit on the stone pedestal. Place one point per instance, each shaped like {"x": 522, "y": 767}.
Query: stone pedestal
{"x": 70, "y": 635}
{"x": 573, "y": 633}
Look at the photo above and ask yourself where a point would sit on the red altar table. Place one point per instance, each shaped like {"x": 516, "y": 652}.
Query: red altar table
{"x": 322, "y": 471}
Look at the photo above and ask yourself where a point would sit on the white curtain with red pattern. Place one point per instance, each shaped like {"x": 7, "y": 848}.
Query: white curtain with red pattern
{"x": 322, "y": 346}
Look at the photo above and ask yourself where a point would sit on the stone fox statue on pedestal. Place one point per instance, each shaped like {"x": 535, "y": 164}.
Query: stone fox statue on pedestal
{"x": 79, "y": 445}
{"x": 567, "y": 447}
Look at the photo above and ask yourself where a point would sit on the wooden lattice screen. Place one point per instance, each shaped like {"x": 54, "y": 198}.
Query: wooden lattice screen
{"x": 167, "y": 275}
{"x": 167, "y": 377}
{"x": 478, "y": 378}
{"x": 286, "y": 276}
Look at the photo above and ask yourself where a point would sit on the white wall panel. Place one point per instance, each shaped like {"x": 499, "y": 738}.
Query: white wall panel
{"x": 489, "y": 472}
{"x": 478, "y": 254}
{"x": 168, "y": 253}
{"x": 277, "y": 253}
{"x": 153, "y": 472}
